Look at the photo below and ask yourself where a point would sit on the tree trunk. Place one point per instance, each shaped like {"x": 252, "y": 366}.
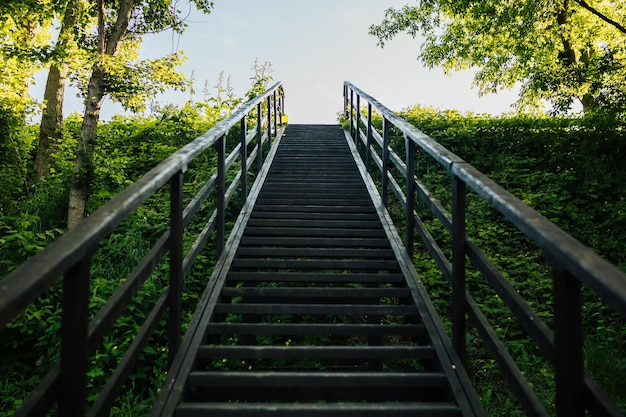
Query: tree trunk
{"x": 83, "y": 165}
{"x": 51, "y": 128}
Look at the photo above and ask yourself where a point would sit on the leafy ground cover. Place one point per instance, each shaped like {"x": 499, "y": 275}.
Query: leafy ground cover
{"x": 570, "y": 170}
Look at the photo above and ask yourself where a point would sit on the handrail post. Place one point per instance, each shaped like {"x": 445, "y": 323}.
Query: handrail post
{"x": 568, "y": 346}
{"x": 385, "y": 156}
{"x": 275, "y": 114}
{"x": 368, "y": 150}
{"x": 282, "y": 108}
{"x": 352, "y": 112}
{"x": 357, "y": 133}
{"x": 221, "y": 194}
{"x": 176, "y": 264}
{"x": 259, "y": 132}
{"x": 345, "y": 99}
{"x": 458, "y": 266}
{"x": 410, "y": 194}
{"x": 244, "y": 159}
{"x": 269, "y": 121}
{"x": 74, "y": 358}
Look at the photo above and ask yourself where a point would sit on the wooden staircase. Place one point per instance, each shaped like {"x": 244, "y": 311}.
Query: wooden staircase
{"x": 314, "y": 309}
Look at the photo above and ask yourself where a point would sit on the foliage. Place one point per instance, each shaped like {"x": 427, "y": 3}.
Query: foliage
{"x": 130, "y": 146}
{"x": 16, "y": 141}
{"x": 556, "y": 50}
{"x": 570, "y": 171}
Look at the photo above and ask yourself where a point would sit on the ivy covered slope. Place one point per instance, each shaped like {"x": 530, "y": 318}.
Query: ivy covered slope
{"x": 30, "y": 344}
{"x": 572, "y": 171}
{"x": 569, "y": 169}
{"x": 36, "y": 213}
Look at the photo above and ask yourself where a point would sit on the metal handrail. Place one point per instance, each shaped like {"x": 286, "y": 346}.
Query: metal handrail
{"x": 572, "y": 262}
{"x": 70, "y": 257}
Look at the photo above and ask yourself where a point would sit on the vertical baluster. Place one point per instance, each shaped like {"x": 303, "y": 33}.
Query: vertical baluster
{"x": 282, "y": 107}
{"x": 458, "y": 266}
{"x": 368, "y": 150}
{"x": 221, "y": 194}
{"x": 244, "y": 159}
{"x": 385, "y": 156}
{"x": 176, "y": 264}
{"x": 74, "y": 325}
{"x": 410, "y": 194}
{"x": 352, "y": 112}
{"x": 357, "y": 126}
{"x": 568, "y": 346}
{"x": 269, "y": 121}
{"x": 345, "y": 100}
{"x": 259, "y": 133}
{"x": 275, "y": 114}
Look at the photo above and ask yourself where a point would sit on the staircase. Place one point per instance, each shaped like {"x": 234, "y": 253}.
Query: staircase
{"x": 315, "y": 310}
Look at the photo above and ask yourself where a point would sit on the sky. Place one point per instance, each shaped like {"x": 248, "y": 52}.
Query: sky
{"x": 313, "y": 47}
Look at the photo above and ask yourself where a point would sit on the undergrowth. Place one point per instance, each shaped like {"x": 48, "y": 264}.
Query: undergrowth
{"x": 571, "y": 171}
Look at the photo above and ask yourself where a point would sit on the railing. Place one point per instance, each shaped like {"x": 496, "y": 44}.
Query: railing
{"x": 572, "y": 263}
{"x": 70, "y": 257}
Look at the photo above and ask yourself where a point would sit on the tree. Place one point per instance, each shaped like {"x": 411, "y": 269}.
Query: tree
{"x": 66, "y": 56}
{"x": 117, "y": 73}
{"x": 23, "y": 40}
{"x": 557, "y": 50}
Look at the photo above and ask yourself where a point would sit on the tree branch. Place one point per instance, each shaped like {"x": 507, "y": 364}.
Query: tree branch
{"x": 602, "y": 16}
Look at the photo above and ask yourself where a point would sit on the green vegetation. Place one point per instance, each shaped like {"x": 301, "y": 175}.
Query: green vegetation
{"x": 129, "y": 147}
{"x": 570, "y": 170}
{"x": 560, "y": 51}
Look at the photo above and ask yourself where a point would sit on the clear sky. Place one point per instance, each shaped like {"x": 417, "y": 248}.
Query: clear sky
{"x": 313, "y": 47}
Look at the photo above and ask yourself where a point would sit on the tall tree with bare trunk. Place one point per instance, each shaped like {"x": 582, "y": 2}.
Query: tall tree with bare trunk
{"x": 120, "y": 27}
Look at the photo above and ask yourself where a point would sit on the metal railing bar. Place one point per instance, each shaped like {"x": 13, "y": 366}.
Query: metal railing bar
{"x": 122, "y": 297}
{"x": 436, "y": 150}
{"x": 393, "y": 157}
{"x": 598, "y": 401}
{"x": 604, "y": 279}
{"x": 175, "y": 264}
{"x": 459, "y": 306}
{"x": 210, "y": 224}
{"x": 204, "y": 236}
{"x": 170, "y": 393}
{"x": 393, "y": 184}
{"x": 568, "y": 257}
{"x": 27, "y": 282}
{"x": 534, "y": 326}
{"x": 102, "y": 405}
{"x": 243, "y": 155}
{"x": 72, "y": 251}
{"x": 434, "y": 206}
{"x": 221, "y": 189}
{"x": 611, "y": 287}
{"x": 537, "y": 329}
{"x": 106, "y": 316}
{"x": 519, "y": 385}
{"x": 74, "y": 325}
{"x": 434, "y": 249}
{"x": 198, "y": 200}
{"x": 41, "y": 398}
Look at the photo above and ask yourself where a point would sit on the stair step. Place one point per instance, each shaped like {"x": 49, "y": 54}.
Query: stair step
{"x": 288, "y": 329}
{"x": 316, "y": 352}
{"x": 304, "y": 252}
{"x": 315, "y": 264}
{"x": 316, "y": 309}
{"x": 315, "y": 277}
{"x": 405, "y": 409}
{"x": 316, "y": 379}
